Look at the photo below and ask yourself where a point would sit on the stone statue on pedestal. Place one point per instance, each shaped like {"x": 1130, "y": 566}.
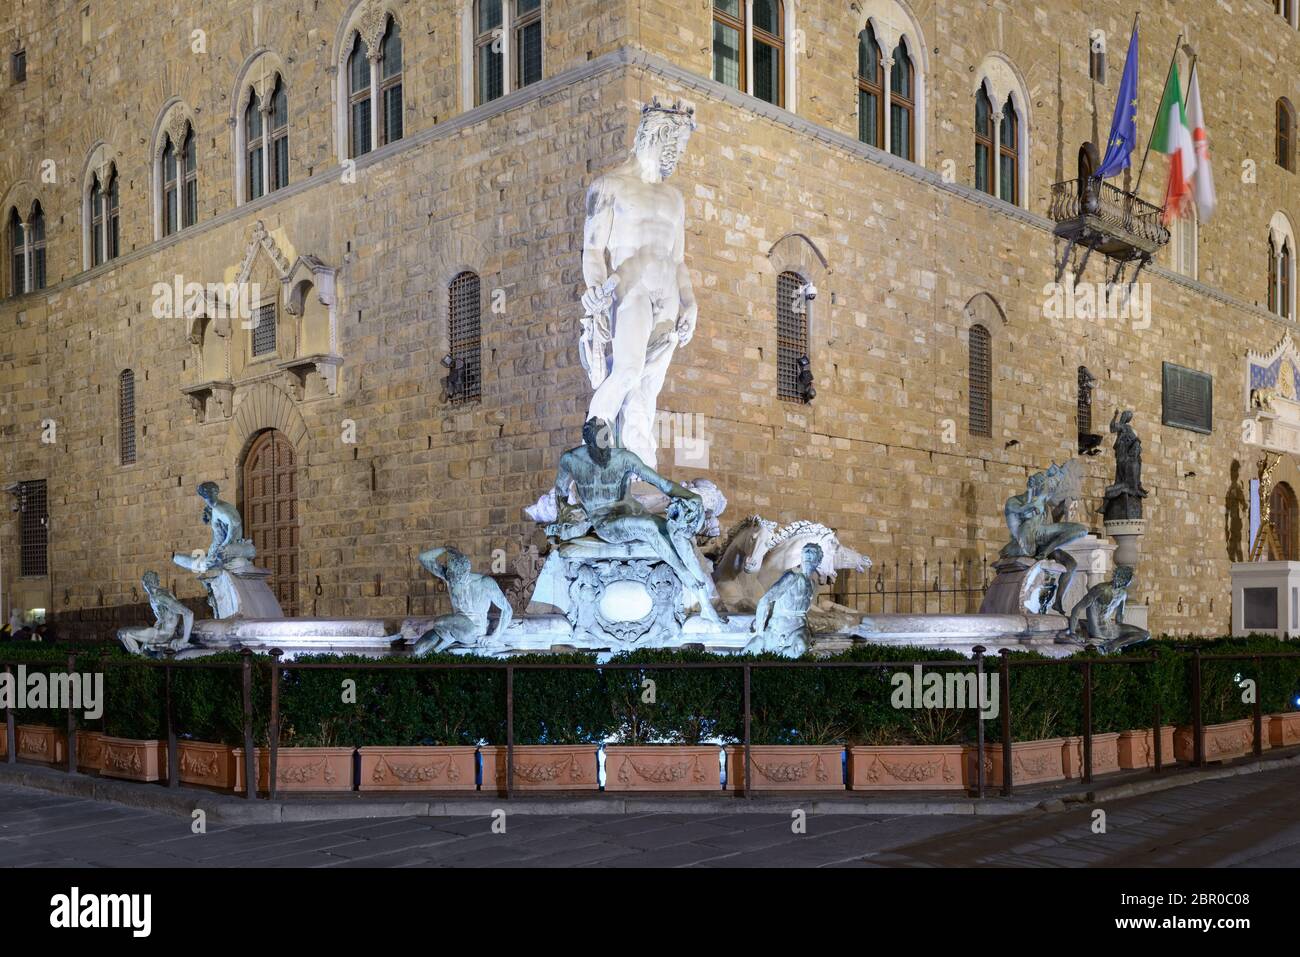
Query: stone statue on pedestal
{"x": 170, "y": 616}
{"x": 781, "y": 616}
{"x": 601, "y": 475}
{"x": 1123, "y": 498}
{"x": 639, "y": 294}
{"x": 1102, "y": 609}
{"x": 235, "y": 586}
{"x": 472, "y": 595}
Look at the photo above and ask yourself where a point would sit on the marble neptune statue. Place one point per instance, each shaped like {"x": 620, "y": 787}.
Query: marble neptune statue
{"x": 601, "y": 474}
{"x": 781, "y": 616}
{"x": 472, "y": 595}
{"x": 170, "y": 616}
{"x": 639, "y": 295}
{"x": 228, "y": 542}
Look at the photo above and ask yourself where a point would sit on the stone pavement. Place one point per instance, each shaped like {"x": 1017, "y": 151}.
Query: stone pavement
{"x": 1248, "y": 820}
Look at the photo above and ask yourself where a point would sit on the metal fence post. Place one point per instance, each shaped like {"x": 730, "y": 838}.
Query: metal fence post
{"x": 1258, "y": 707}
{"x": 250, "y": 759}
{"x": 11, "y": 744}
{"x": 1087, "y": 719}
{"x": 1198, "y": 746}
{"x": 510, "y": 731}
{"x": 749, "y": 765}
{"x": 72, "y": 718}
{"x": 1004, "y": 673}
{"x": 978, "y": 651}
{"x": 1155, "y": 741}
{"x": 273, "y": 729}
{"x": 173, "y": 772}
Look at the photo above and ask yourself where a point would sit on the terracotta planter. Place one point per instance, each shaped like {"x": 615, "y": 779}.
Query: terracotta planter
{"x": 40, "y": 742}
{"x": 662, "y": 767}
{"x": 418, "y": 769}
{"x": 790, "y": 767}
{"x": 1283, "y": 729}
{"x": 90, "y": 751}
{"x": 211, "y": 765}
{"x": 134, "y": 760}
{"x": 1105, "y": 754}
{"x": 543, "y": 767}
{"x": 907, "y": 767}
{"x": 1222, "y": 742}
{"x": 1032, "y": 762}
{"x": 299, "y": 769}
{"x": 1137, "y": 748}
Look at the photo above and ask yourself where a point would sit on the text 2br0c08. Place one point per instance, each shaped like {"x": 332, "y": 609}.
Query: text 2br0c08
{"x": 1220, "y": 899}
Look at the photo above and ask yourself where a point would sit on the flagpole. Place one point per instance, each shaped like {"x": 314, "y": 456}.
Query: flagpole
{"x": 1156, "y": 119}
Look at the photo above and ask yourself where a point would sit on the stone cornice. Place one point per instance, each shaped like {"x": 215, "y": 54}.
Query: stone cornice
{"x": 622, "y": 59}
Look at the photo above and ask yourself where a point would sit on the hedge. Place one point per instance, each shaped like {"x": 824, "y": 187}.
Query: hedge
{"x": 650, "y": 704}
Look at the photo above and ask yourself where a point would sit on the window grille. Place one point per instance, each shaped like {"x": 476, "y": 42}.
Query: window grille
{"x": 464, "y": 384}
{"x": 126, "y": 416}
{"x": 791, "y": 335}
{"x": 264, "y": 330}
{"x": 33, "y": 505}
{"x": 981, "y": 382}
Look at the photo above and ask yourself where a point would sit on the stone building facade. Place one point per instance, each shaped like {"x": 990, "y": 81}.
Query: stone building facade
{"x": 359, "y": 256}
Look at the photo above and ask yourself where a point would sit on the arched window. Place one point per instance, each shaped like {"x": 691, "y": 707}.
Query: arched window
{"x": 981, "y": 382}
{"x": 464, "y": 336}
{"x": 358, "y": 100}
{"x": 1285, "y": 135}
{"x": 279, "y": 136}
{"x": 902, "y": 104}
{"x": 871, "y": 90}
{"x": 112, "y": 227}
{"x": 983, "y": 142}
{"x": 36, "y": 246}
{"x": 769, "y": 51}
{"x": 728, "y": 42}
{"x": 254, "y": 146}
{"x": 1009, "y": 153}
{"x": 126, "y": 416}
{"x": 18, "y": 252}
{"x": 190, "y": 180}
{"x": 180, "y": 183}
{"x": 390, "y": 84}
{"x": 791, "y": 337}
{"x": 1284, "y": 266}
{"x": 171, "y": 211}
{"x": 490, "y": 27}
{"x": 96, "y": 222}
{"x": 1272, "y": 276}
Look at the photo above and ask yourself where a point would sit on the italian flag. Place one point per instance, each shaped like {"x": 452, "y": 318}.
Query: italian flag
{"x": 1173, "y": 137}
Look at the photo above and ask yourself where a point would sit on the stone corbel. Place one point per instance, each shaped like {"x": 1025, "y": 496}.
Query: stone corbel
{"x": 299, "y": 370}
{"x": 207, "y": 398}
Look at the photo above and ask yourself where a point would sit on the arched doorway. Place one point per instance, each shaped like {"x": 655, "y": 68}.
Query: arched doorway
{"x": 1283, "y": 513}
{"x": 269, "y": 504}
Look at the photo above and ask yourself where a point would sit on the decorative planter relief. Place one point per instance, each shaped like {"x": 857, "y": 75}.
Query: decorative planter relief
{"x": 418, "y": 769}
{"x": 40, "y": 742}
{"x": 907, "y": 767}
{"x": 1105, "y": 754}
{"x": 200, "y": 762}
{"x": 543, "y": 767}
{"x": 1283, "y": 729}
{"x": 1137, "y": 748}
{"x": 299, "y": 769}
{"x": 133, "y": 760}
{"x": 662, "y": 767}
{"x": 1032, "y": 762}
{"x": 1221, "y": 742}
{"x": 787, "y": 767}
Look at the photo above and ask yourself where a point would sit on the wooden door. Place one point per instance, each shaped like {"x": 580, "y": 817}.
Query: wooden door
{"x": 270, "y": 510}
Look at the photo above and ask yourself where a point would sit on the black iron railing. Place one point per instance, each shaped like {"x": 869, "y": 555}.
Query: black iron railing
{"x": 954, "y": 587}
{"x": 1111, "y": 206}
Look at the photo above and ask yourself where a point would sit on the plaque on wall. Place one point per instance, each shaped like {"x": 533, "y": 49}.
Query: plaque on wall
{"x": 1188, "y": 399}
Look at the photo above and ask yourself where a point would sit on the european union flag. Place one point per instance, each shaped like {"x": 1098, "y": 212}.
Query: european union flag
{"x": 1123, "y": 125}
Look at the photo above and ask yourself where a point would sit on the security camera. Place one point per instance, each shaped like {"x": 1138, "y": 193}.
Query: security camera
{"x": 808, "y": 291}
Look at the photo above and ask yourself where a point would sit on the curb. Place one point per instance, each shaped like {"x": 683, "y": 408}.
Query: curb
{"x": 230, "y": 810}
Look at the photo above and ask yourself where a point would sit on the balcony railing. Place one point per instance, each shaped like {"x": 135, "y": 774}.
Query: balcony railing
{"x": 1115, "y": 217}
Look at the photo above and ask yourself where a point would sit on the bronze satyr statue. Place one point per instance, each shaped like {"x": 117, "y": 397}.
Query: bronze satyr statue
{"x": 1102, "y": 610}
{"x": 472, "y": 595}
{"x": 170, "y": 616}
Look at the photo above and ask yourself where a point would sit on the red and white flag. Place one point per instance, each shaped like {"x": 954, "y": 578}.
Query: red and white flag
{"x": 1173, "y": 137}
{"x": 1204, "y": 178}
